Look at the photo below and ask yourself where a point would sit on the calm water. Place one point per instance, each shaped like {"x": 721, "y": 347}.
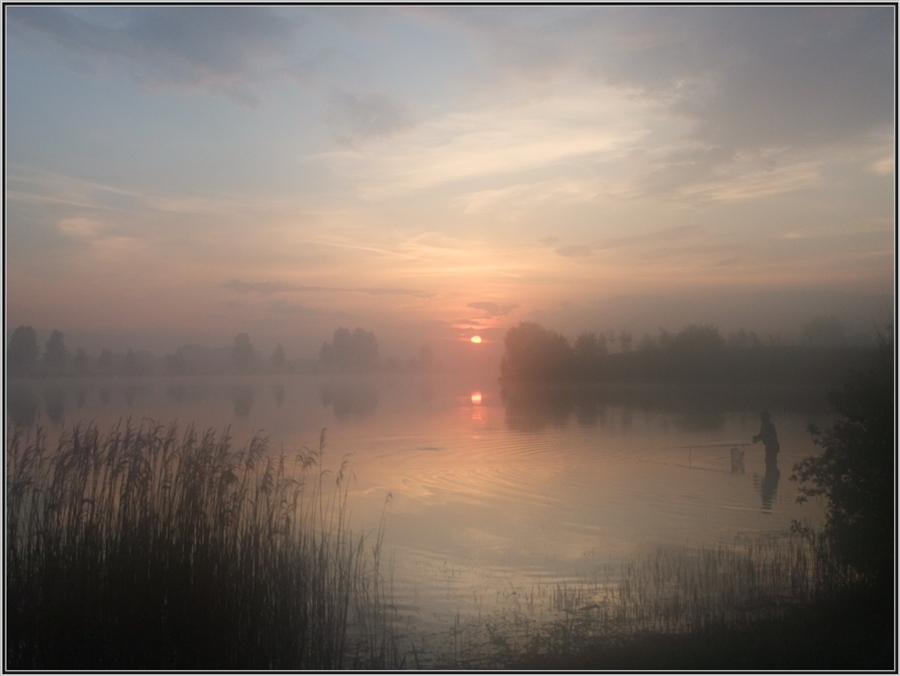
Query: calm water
{"x": 492, "y": 495}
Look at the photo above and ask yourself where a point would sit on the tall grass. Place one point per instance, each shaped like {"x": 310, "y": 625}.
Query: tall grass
{"x": 144, "y": 548}
{"x": 670, "y": 592}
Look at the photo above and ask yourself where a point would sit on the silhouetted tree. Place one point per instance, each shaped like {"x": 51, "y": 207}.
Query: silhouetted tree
{"x": 610, "y": 335}
{"x": 823, "y": 331}
{"x": 343, "y": 346}
{"x": 129, "y": 364}
{"x": 22, "y": 351}
{"x": 365, "y": 349}
{"x": 535, "y": 353}
{"x": 278, "y": 391}
{"x": 697, "y": 341}
{"x": 80, "y": 362}
{"x": 104, "y": 362}
{"x": 744, "y": 339}
{"x": 176, "y": 364}
{"x": 855, "y": 471}
{"x": 587, "y": 347}
{"x": 588, "y": 354}
{"x": 242, "y": 352}
{"x": 55, "y": 356}
{"x": 663, "y": 339}
{"x": 648, "y": 343}
{"x": 356, "y": 350}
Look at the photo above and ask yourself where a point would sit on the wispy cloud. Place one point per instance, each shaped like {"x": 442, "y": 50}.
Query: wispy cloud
{"x": 264, "y": 288}
{"x": 736, "y": 80}
{"x": 218, "y": 50}
{"x": 574, "y": 250}
{"x": 503, "y": 140}
{"x": 355, "y": 118}
{"x": 642, "y": 241}
{"x": 270, "y": 288}
{"x": 493, "y": 309}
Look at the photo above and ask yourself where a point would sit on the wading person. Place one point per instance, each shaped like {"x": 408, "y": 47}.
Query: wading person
{"x": 769, "y": 437}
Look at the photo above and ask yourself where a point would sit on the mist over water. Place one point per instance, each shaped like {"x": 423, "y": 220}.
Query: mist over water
{"x": 493, "y": 490}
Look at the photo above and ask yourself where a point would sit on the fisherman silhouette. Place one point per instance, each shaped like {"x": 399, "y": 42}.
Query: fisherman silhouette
{"x": 769, "y": 437}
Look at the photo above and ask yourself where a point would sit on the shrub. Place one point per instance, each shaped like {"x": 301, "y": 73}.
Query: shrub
{"x": 855, "y": 471}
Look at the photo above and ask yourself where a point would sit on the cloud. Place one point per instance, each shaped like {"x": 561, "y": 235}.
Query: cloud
{"x": 264, "y": 288}
{"x": 574, "y": 250}
{"x": 884, "y": 166}
{"x": 529, "y": 196}
{"x": 81, "y": 227}
{"x": 213, "y": 49}
{"x": 503, "y": 142}
{"x": 357, "y": 118}
{"x": 673, "y": 234}
{"x": 269, "y": 288}
{"x": 734, "y": 81}
{"x": 493, "y": 309}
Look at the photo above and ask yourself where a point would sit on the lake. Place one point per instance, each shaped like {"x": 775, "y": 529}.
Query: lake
{"x": 493, "y": 494}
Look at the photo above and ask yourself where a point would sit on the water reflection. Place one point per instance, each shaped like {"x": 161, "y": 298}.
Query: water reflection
{"x": 80, "y": 396}
{"x": 532, "y": 409}
{"x": 604, "y": 470}
{"x": 243, "y": 400}
{"x": 696, "y": 408}
{"x": 767, "y": 487}
{"x": 137, "y": 392}
{"x": 55, "y": 403}
{"x": 278, "y": 391}
{"x": 590, "y": 412}
{"x": 349, "y": 400}
{"x": 700, "y": 420}
{"x": 21, "y": 404}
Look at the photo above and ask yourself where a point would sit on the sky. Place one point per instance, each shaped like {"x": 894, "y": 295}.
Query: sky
{"x": 180, "y": 174}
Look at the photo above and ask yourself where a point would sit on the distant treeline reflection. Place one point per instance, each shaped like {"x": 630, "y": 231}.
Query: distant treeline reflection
{"x": 532, "y": 407}
{"x": 58, "y": 398}
{"x": 697, "y": 354}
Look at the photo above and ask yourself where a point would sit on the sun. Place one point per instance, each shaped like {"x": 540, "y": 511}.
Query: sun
{"x": 475, "y": 339}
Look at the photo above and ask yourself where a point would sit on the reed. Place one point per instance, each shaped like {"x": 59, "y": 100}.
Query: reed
{"x": 670, "y": 597}
{"x": 144, "y": 548}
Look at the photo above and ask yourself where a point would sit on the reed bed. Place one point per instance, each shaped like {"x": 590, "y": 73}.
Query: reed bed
{"x": 671, "y": 592}
{"x": 143, "y": 548}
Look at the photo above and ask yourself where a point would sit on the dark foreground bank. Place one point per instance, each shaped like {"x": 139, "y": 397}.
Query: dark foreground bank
{"x": 855, "y": 631}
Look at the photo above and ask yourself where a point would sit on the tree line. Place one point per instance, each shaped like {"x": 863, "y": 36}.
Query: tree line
{"x": 697, "y": 353}
{"x": 348, "y": 351}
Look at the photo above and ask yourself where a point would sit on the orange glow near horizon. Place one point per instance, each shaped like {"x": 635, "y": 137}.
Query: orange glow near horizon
{"x": 476, "y": 339}
{"x": 476, "y": 398}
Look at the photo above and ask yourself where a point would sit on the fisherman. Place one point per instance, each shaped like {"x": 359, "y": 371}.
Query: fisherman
{"x": 769, "y": 437}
